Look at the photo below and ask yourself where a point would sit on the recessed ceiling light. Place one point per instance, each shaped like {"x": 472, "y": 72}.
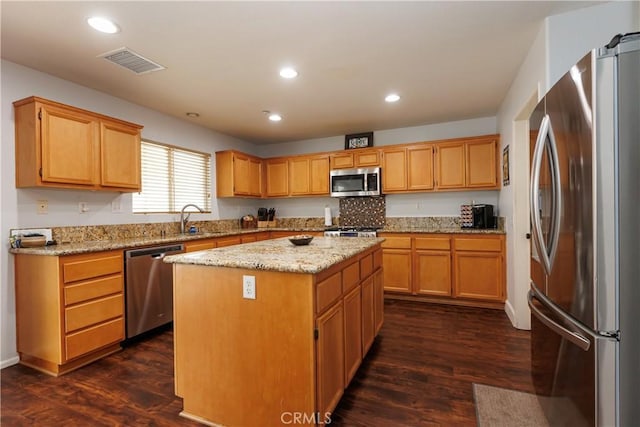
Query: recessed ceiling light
{"x": 275, "y": 117}
{"x": 192, "y": 114}
{"x": 103, "y": 25}
{"x": 288, "y": 73}
{"x": 392, "y": 97}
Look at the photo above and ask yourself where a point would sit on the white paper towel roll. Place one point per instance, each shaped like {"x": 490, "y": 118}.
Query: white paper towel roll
{"x": 327, "y": 216}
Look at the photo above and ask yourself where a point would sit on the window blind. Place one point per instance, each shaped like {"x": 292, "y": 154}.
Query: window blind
{"x": 171, "y": 178}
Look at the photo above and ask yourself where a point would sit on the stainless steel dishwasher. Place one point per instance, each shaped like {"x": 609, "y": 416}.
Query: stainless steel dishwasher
{"x": 149, "y": 288}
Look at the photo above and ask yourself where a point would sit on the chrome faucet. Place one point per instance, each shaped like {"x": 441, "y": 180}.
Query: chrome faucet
{"x": 183, "y": 219}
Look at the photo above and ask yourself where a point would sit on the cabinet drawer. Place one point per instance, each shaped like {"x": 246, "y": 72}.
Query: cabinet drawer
{"x": 83, "y": 342}
{"x": 89, "y": 313}
{"x": 482, "y": 245}
{"x": 397, "y": 242}
{"x": 341, "y": 161}
{"x": 350, "y": 276}
{"x": 370, "y": 158}
{"x": 433, "y": 243}
{"x": 366, "y": 265}
{"x": 92, "y": 289}
{"x": 328, "y": 291}
{"x": 86, "y": 267}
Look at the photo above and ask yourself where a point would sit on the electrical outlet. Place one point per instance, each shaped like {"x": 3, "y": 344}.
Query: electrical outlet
{"x": 116, "y": 206}
{"x": 83, "y": 207}
{"x": 43, "y": 207}
{"x": 249, "y": 287}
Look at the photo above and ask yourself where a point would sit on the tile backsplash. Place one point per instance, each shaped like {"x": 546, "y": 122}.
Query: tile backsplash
{"x": 363, "y": 211}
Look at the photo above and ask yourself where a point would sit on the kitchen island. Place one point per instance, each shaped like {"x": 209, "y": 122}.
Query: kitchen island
{"x": 269, "y": 333}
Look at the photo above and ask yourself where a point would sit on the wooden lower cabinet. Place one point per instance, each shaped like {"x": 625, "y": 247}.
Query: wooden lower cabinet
{"x": 479, "y": 268}
{"x": 69, "y": 309}
{"x": 294, "y": 349}
{"x": 463, "y": 268}
{"x": 199, "y": 245}
{"x": 330, "y": 358}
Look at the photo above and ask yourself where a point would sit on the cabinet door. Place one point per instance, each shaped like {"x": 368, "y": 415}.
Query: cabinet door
{"x": 432, "y": 275}
{"x": 330, "y": 358}
{"x": 366, "y": 158}
{"x": 70, "y": 143}
{"x": 342, "y": 161}
{"x": 481, "y": 164}
{"x": 368, "y": 314}
{"x": 240, "y": 174}
{"x": 120, "y": 154}
{"x": 299, "y": 176}
{"x": 277, "y": 178}
{"x": 394, "y": 170}
{"x": 319, "y": 168}
{"x": 352, "y": 333}
{"x": 397, "y": 270}
{"x": 450, "y": 165}
{"x": 420, "y": 168}
{"x": 378, "y": 300}
{"x": 255, "y": 177}
{"x": 479, "y": 275}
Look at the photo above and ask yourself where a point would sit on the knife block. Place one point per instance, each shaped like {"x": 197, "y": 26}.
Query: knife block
{"x": 271, "y": 224}
{"x": 263, "y": 224}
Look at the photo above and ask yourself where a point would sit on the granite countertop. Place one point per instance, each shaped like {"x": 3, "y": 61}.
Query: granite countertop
{"x": 107, "y": 245}
{"x": 280, "y": 254}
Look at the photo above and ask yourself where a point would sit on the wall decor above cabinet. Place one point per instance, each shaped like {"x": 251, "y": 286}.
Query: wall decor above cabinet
{"x": 61, "y": 146}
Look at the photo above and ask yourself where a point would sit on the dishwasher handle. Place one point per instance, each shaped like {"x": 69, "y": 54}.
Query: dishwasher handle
{"x": 155, "y": 252}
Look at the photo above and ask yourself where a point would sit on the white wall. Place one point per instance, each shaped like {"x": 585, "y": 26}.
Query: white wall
{"x": 562, "y": 40}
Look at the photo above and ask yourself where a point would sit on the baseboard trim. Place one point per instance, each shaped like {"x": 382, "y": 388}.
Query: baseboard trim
{"x": 9, "y": 362}
{"x": 511, "y": 313}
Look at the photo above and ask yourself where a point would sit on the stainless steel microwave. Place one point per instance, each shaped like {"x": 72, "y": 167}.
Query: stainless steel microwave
{"x": 355, "y": 182}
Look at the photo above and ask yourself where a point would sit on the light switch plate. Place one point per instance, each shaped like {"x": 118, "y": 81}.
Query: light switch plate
{"x": 249, "y": 287}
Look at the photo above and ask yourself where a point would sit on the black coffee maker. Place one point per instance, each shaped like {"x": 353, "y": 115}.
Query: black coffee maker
{"x": 483, "y": 216}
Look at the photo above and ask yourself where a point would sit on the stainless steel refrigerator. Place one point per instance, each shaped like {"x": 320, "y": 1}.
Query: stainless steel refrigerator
{"x": 585, "y": 234}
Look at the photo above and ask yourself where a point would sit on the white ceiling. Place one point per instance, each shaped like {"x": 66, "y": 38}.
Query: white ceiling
{"x": 449, "y": 60}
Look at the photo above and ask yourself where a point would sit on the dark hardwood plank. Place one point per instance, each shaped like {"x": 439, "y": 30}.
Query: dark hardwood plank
{"x": 419, "y": 372}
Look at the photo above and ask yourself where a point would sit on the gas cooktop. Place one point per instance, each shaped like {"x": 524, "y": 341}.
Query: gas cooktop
{"x": 346, "y": 231}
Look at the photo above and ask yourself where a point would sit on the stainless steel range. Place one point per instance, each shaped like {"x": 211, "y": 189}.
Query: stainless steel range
{"x": 350, "y": 232}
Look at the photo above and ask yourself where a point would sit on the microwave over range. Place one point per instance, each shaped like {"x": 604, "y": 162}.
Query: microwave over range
{"x": 355, "y": 182}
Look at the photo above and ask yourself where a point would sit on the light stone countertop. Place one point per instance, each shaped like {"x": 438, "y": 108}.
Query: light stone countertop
{"x": 280, "y": 254}
{"x": 132, "y": 243}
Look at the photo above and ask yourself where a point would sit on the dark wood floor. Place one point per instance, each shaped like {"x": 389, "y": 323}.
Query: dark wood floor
{"x": 419, "y": 372}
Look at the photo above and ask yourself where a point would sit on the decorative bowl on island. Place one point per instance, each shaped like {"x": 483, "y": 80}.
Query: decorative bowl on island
{"x": 301, "y": 239}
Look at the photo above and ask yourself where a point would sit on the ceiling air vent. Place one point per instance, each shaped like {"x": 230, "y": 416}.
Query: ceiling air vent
{"x": 130, "y": 60}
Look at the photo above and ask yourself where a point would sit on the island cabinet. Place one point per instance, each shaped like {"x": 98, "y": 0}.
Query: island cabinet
{"x": 61, "y": 146}
{"x": 69, "y": 309}
{"x": 458, "y": 268}
{"x": 291, "y": 348}
{"x": 238, "y": 174}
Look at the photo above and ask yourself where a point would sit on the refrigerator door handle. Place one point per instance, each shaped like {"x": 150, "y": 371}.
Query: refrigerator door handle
{"x": 580, "y": 340}
{"x": 547, "y": 254}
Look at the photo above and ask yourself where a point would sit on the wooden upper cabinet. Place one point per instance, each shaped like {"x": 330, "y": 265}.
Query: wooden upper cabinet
{"x": 309, "y": 175}
{"x": 481, "y": 163}
{"x": 277, "y": 177}
{"x": 66, "y": 147}
{"x": 420, "y": 167}
{"x": 408, "y": 168}
{"x": 394, "y": 170}
{"x": 299, "y": 176}
{"x": 120, "y": 155}
{"x": 238, "y": 174}
{"x": 358, "y": 158}
{"x": 450, "y": 165}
